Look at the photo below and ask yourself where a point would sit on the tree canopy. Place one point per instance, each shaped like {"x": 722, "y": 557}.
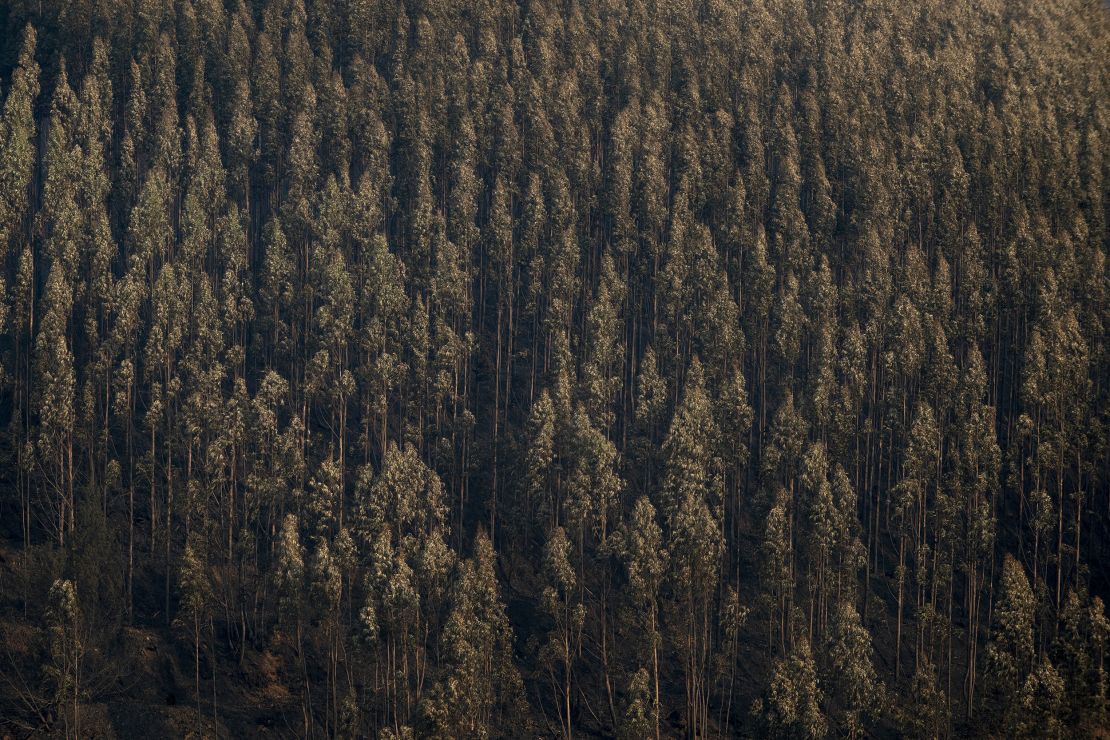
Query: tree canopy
{"x": 489, "y": 369}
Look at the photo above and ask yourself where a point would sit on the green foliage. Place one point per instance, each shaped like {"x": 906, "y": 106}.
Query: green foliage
{"x": 480, "y": 692}
{"x": 17, "y": 135}
{"x": 852, "y": 677}
{"x": 1010, "y": 652}
{"x": 289, "y": 572}
{"x": 669, "y": 314}
{"x": 924, "y": 715}
{"x": 638, "y": 720}
{"x": 794, "y": 700}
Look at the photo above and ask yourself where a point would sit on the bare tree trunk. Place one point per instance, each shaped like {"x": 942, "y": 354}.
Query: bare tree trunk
{"x": 901, "y": 590}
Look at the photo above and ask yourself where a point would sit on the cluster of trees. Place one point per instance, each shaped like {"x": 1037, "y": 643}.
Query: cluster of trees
{"x": 631, "y": 367}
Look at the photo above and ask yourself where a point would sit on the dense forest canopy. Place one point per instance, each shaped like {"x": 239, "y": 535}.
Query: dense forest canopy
{"x": 637, "y": 368}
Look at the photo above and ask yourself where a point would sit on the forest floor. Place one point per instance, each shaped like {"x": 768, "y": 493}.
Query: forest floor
{"x": 148, "y": 691}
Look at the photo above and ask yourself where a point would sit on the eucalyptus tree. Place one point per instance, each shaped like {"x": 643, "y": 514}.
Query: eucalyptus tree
{"x": 795, "y": 695}
{"x": 691, "y": 498}
{"x": 480, "y": 691}
{"x": 196, "y": 601}
{"x": 567, "y": 614}
{"x": 17, "y": 141}
{"x": 17, "y": 165}
{"x": 54, "y": 394}
{"x": 400, "y": 524}
{"x": 1011, "y": 652}
{"x": 645, "y": 560}
{"x": 852, "y": 675}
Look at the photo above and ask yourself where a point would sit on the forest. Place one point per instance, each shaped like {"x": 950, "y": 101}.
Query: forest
{"x": 554, "y": 368}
